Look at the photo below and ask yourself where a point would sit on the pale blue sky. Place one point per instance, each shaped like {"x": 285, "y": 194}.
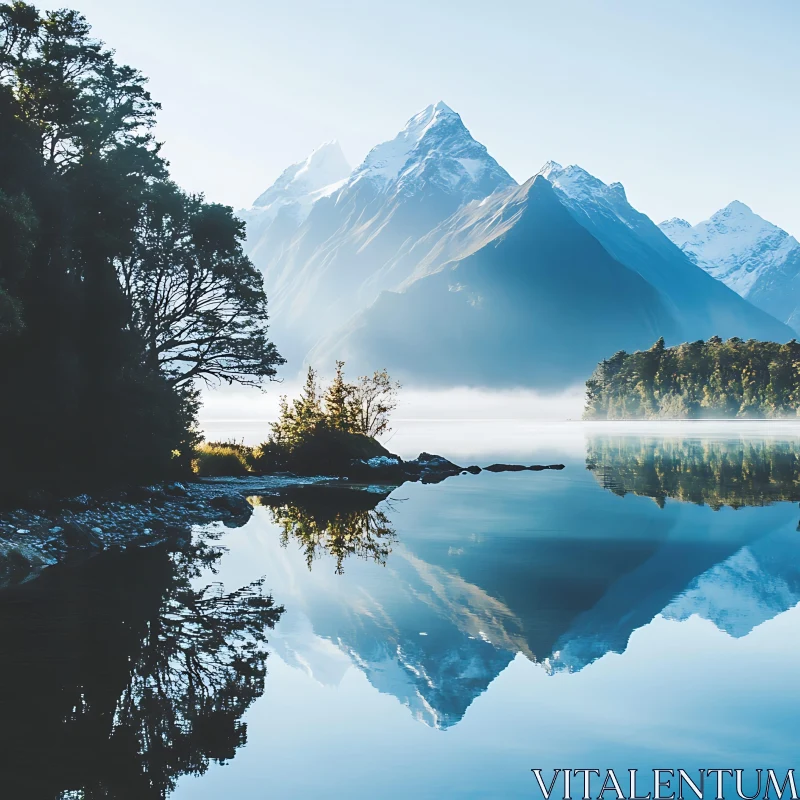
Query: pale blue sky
{"x": 690, "y": 104}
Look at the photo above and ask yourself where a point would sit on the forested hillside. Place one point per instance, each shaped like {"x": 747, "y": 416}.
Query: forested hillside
{"x": 710, "y": 379}
{"x": 117, "y": 290}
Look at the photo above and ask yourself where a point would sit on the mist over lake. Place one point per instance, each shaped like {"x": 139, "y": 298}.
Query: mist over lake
{"x": 246, "y": 415}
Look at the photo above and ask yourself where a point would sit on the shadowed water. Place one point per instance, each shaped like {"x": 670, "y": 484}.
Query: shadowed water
{"x": 638, "y": 609}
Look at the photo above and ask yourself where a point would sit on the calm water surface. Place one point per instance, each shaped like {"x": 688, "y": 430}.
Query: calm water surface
{"x": 637, "y": 609}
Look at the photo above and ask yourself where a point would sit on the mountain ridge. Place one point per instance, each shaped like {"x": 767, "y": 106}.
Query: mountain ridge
{"x": 459, "y": 261}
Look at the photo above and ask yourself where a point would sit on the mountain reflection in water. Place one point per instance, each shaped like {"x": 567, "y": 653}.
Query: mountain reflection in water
{"x": 118, "y": 675}
{"x": 122, "y": 674}
{"x": 485, "y": 568}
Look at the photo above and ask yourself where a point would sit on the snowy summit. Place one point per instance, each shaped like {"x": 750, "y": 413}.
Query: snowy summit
{"x": 295, "y": 191}
{"x": 735, "y": 245}
{"x": 305, "y": 182}
{"x": 434, "y": 146}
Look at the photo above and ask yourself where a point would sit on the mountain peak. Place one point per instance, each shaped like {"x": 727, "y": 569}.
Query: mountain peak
{"x": 433, "y": 147}
{"x": 433, "y": 113}
{"x": 676, "y": 229}
{"x": 576, "y": 182}
{"x": 550, "y": 168}
{"x": 735, "y": 210}
{"x": 736, "y": 216}
{"x": 743, "y": 250}
{"x": 324, "y": 166}
{"x": 738, "y": 207}
{"x": 675, "y": 222}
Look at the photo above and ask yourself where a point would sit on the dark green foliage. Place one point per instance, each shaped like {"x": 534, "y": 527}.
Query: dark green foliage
{"x": 695, "y": 380}
{"x": 75, "y": 142}
{"x": 95, "y": 387}
{"x": 713, "y": 473}
{"x": 323, "y": 451}
{"x": 196, "y": 299}
{"x": 338, "y": 400}
{"x": 301, "y": 418}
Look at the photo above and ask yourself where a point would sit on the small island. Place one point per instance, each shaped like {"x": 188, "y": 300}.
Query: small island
{"x": 733, "y": 379}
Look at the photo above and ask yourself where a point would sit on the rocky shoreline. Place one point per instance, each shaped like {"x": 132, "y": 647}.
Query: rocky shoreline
{"x": 33, "y": 539}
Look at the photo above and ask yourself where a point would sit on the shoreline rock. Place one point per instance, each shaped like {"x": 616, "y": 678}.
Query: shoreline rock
{"x": 520, "y": 468}
{"x": 164, "y": 514}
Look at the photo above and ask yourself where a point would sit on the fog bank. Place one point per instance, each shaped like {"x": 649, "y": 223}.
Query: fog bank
{"x": 245, "y": 414}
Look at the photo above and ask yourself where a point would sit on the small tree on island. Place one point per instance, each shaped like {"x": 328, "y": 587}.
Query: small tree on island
{"x": 373, "y": 400}
{"x": 302, "y": 417}
{"x": 363, "y": 407}
{"x": 339, "y": 423}
{"x": 339, "y": 400}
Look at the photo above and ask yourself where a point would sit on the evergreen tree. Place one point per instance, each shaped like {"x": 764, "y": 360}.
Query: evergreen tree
{"x": 698, "y": 379}
{"x": 339, "y": 411}
{"x": 301, "y": 418}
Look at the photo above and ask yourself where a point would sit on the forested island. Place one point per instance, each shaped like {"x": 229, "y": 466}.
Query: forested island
{"x": 696, "y": 380}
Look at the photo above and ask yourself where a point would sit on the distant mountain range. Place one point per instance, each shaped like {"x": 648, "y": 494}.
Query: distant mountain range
{"x": 430, "y": 260}
{"x": 757, "y": 259}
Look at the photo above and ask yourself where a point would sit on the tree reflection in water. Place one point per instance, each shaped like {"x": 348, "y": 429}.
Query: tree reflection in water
{"x": 714, "y": 473}
{"x": 331, "y": 520}
{"x": 118, "y": 675}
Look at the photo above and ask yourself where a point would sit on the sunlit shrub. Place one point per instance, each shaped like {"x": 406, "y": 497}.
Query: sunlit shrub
{"x": 222, "y": 459}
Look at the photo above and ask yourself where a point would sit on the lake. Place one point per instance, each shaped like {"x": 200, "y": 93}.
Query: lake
{"x": 638, "y": 609}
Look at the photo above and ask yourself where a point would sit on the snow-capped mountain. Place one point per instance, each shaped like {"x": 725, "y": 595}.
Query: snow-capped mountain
{"x": 755, "y": 258}
{"x": 433, "y": 200}
{"x": 341, "y": 254}
{"x": 675, "y": 229}
{"x": 434, "y": 147}
{"x": 304, "y": 183}
{"x": 512, "y": 292}
{"x": 294, "y": 192}
{"x": 536, "y": 284}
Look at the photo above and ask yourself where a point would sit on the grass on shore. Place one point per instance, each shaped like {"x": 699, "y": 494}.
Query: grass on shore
{"x": 321, "y": 452}
{"x": 223, "y": 459}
